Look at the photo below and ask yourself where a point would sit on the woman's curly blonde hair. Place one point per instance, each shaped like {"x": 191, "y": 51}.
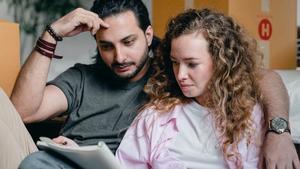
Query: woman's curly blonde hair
{"x": 233, "y": 87}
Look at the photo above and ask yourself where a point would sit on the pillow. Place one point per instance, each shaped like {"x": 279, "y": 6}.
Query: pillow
{"x": 291, "y": 79}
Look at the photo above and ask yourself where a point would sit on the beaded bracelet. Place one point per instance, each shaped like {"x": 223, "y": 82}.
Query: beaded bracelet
{"x": 53, "y": 33}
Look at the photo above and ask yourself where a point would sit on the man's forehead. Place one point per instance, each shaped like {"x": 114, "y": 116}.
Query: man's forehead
{"x": 121, "y": 25}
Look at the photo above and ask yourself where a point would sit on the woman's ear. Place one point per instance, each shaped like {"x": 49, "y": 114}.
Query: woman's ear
{"x": 149, "y": 35}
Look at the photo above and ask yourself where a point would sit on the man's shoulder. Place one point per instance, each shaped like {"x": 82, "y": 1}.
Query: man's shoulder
{"x": 88, "y": 69}
{"x": 77, "y": 73}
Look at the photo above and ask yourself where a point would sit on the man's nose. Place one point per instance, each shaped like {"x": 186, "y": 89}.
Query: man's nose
{"x": 119, "y": 55}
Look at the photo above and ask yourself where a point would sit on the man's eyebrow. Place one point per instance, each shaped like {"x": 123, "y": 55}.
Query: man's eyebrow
{"x": 125, "y": 38}
{"x": 128, "y": 37}
{"x": 104, "y": 42}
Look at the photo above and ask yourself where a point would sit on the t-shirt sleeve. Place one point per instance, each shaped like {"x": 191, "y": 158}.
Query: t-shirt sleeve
{"x": 70, "y": 82}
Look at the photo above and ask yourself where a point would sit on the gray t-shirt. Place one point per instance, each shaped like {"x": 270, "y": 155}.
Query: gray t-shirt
{"x": 100, "y": 106}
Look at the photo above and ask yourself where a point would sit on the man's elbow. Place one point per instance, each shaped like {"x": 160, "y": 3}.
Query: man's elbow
{"x": 31, "y": 118}
{"x": 27, "y": 113}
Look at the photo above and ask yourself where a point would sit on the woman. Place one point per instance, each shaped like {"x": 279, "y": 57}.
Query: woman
{"x": 203, "y": 110}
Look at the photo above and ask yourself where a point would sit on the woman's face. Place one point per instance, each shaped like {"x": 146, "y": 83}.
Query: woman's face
{"x": 192, "y": 65}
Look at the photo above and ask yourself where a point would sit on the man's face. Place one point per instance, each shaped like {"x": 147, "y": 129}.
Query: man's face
{"x": 124, "y": 46}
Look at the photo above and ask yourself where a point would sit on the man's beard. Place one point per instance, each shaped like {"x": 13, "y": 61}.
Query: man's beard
{"x": 143, "y": 61}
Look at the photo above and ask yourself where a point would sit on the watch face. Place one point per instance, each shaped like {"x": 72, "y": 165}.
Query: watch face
{"x": 279, "y": 125}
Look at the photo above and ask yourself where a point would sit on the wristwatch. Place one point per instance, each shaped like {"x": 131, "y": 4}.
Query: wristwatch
{"x": 279, "y": 125}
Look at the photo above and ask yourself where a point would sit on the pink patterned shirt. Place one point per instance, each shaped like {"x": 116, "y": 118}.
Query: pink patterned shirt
{"x": 145, "y": 144}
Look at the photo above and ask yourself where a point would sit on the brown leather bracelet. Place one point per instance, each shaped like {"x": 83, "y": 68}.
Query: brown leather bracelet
{"x": 43, "y": 47}
{"x": 52, "y": 45}
{"x": 40, "y": 44}
{"x": 47, "y": 54}
{"x": 43, "y": 52}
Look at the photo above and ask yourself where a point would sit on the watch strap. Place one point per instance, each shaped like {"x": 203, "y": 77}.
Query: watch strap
{"x": 286, "y": 130}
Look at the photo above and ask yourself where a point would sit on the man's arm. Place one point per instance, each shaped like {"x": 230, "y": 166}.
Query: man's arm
{"x": 275, "y": 96}
{"x": 30, "y": 95}
{"x": 278, "y": 150}
{"x": 32, "y": 98}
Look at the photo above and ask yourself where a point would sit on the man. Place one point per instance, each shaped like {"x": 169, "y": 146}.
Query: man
{"x": 102, "y": 99}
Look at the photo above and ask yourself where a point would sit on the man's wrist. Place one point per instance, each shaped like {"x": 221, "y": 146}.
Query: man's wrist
{"x": 278, "y": 125}
{"x": 272, "y": 135}
{"x": 47, "y": 37}
{"x": 53, "y": 33}
{"x": 46, "y": 46}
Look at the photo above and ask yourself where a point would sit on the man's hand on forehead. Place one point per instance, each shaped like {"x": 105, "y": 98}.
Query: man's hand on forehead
{"x": 77, "y": 21}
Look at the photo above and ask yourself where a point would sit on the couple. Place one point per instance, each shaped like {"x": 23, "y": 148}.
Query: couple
{"x": 207, "y": 79}
{"x": 204, "y": 109}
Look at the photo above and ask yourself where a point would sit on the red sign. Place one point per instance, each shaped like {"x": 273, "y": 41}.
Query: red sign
{"x": 265, "y": 29}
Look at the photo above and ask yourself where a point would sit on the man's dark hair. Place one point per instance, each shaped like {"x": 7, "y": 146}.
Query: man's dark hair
{"x": 106, "y": 8}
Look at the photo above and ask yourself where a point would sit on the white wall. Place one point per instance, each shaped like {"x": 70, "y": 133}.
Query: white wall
{"x": 4, "y": 14}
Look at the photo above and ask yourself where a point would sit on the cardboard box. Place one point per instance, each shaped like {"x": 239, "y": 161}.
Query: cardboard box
{"x": 272, "y": 23}
{"x": 9, "y": 55}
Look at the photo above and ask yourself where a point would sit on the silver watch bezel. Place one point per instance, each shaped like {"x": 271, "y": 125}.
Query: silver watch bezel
{"x": 279, "y": 125}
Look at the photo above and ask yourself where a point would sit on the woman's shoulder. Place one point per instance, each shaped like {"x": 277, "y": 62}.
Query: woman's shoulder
{"x": 151, "y": 115}
{"x": 147, "y": 114}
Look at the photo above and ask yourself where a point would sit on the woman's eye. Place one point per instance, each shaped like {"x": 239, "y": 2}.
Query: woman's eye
{"x": 192, "y": 65}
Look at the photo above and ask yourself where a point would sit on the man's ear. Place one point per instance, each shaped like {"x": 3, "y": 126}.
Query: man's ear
{"x": 149, "y": 35}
